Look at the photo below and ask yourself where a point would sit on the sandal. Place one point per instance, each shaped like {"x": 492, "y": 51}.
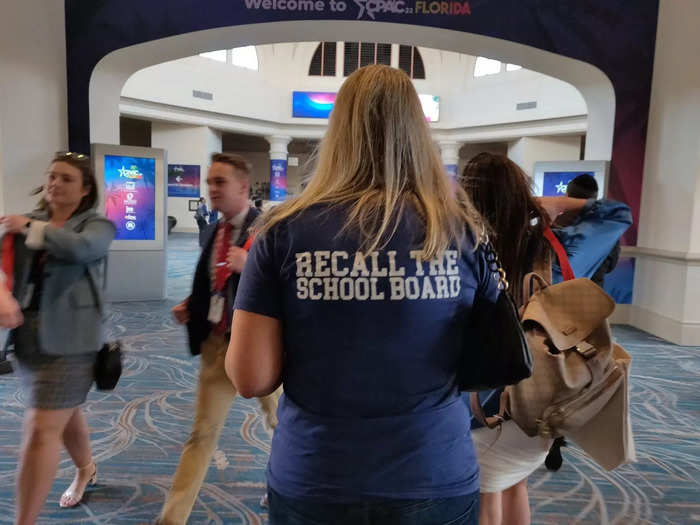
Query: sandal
{"x": 74, "y": 495}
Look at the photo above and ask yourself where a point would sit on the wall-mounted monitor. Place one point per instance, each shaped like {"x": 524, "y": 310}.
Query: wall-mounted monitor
{"x": 318, "y": 104}
{"x": 551, "y": 178}
{"x": 132, "y": 191}
{"x": 312, "y": 104}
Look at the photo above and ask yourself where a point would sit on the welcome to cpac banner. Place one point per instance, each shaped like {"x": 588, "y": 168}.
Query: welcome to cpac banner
{"x": 616, "y": 36}
{"x": 364, "y": 8}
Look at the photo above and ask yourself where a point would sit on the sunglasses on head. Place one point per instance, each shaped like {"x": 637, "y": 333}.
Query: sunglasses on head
{"x": 71, "y": 154}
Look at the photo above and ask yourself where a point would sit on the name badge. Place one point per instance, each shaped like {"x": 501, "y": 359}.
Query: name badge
{"x": 216, "y": 308}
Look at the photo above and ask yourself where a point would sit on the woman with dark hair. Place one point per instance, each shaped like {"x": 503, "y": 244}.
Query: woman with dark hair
{"x": 59, "y": 250}
{"x": 502, "y": 193}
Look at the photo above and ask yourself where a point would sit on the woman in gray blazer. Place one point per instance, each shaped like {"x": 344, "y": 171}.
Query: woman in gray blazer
{"x": 59, "y": 251}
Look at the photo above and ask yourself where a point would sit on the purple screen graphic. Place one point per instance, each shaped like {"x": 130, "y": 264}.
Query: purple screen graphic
{"x": 130, "y": 196}
{"x": 278, "y": 179}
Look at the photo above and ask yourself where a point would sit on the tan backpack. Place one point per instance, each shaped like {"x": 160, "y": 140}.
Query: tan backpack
{"x": 579, "y": 387}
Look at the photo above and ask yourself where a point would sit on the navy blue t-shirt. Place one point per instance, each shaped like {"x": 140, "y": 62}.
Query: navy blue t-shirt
{"x": 371, "y": 346}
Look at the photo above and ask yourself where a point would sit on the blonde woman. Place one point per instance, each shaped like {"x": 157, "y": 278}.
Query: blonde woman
{"x": 354, "y": 297}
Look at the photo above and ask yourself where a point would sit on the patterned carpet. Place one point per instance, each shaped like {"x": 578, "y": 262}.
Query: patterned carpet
{"x": 138, "y": 432}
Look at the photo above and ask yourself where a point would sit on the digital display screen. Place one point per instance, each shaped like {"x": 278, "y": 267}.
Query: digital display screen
{"x": 316, "y": 104}
{"x": 554, "y": 183}
{"x": 312, "y": 104}
{"x": 130, "y": 200}
{"x": 183, "y": 180}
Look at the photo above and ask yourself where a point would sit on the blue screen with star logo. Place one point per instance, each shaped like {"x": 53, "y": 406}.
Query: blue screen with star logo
{"x": 130, "y": 196}
{"x": 554, "y": 183}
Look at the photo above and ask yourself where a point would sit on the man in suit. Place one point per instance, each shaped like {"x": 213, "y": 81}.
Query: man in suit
{"x": 207, "y": 312}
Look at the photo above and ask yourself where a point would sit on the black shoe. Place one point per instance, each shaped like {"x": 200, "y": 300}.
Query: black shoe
{"x": 554, "y": 460}
{"x": 5, "y": 367}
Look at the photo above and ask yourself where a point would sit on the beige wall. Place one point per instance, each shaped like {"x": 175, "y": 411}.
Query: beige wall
{"x": 33, "y": 106}
{"x": 528, "y": 150}
{"x": 186, "y": 145}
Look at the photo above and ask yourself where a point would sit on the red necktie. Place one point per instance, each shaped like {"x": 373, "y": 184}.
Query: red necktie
{"x": 223, "y": 273}
{"x": 222, "y": 270}
{"x": 8, "y": 259}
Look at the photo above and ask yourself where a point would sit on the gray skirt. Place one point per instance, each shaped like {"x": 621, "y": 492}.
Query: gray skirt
{"x": 50, "y": 382}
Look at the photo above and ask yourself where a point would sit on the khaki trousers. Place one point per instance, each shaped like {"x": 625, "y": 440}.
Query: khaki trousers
{"x": 215, "y": 394}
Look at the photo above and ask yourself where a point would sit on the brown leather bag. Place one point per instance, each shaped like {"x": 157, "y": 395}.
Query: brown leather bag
{"x": 579, "y": 387}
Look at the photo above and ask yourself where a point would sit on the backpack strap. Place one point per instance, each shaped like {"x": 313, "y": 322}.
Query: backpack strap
{"x": 567, "y": 272}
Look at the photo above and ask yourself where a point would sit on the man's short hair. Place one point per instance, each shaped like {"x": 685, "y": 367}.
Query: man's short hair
{"x": 232, "y": 159}
{"x": 583, "y": 187}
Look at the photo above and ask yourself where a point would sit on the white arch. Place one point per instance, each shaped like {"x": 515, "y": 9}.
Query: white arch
{"x": 113, "y": 70}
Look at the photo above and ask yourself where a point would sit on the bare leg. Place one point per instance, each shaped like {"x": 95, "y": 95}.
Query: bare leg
{"x": 516, "y": 505}
{"x": 490, "y": 512}
{"x": 76, "y": 439}
{"x": 41, "y": 448}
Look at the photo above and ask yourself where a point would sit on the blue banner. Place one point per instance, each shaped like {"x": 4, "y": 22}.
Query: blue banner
{"x": 183, "y": 180}
{"x": 451, "y": 170}
{"x": 619, "y": 283}
{"x": 278, "y": 179}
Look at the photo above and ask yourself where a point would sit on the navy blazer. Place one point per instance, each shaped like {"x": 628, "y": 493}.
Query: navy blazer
{"x": 198, "y": 327}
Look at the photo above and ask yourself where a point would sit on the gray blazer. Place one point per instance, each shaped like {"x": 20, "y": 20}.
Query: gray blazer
{"x": 70, "y": 312}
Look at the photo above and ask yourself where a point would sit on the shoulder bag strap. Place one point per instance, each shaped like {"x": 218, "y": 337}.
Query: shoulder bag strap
{"x": 567, "y": 272}
{"x": 93, "y": 285}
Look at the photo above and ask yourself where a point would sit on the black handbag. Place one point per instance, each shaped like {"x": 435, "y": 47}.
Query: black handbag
{"x": 108, "y": 367}
{"x": 495, "y": 351}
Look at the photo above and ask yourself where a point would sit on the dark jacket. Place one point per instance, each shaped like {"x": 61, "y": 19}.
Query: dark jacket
{"x": 198, "y": 328}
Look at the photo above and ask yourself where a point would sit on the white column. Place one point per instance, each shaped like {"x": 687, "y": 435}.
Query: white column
{"x": 449, "y": 151}
{"x": 395, "y": 55}
{"x": 192, "y": 145}
{"x": 667, "y": 272}
{"x": 278, "y": 166}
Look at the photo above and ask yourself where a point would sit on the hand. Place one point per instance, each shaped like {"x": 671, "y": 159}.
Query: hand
{"x": 14, "y": 223}
{"x": 10, "y": 312}
{"x": 181, "y": 313}
{"x": 236, "y": 259}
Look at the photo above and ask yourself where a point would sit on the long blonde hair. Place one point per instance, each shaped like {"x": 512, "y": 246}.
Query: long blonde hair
{"x": 378, "y": 157}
